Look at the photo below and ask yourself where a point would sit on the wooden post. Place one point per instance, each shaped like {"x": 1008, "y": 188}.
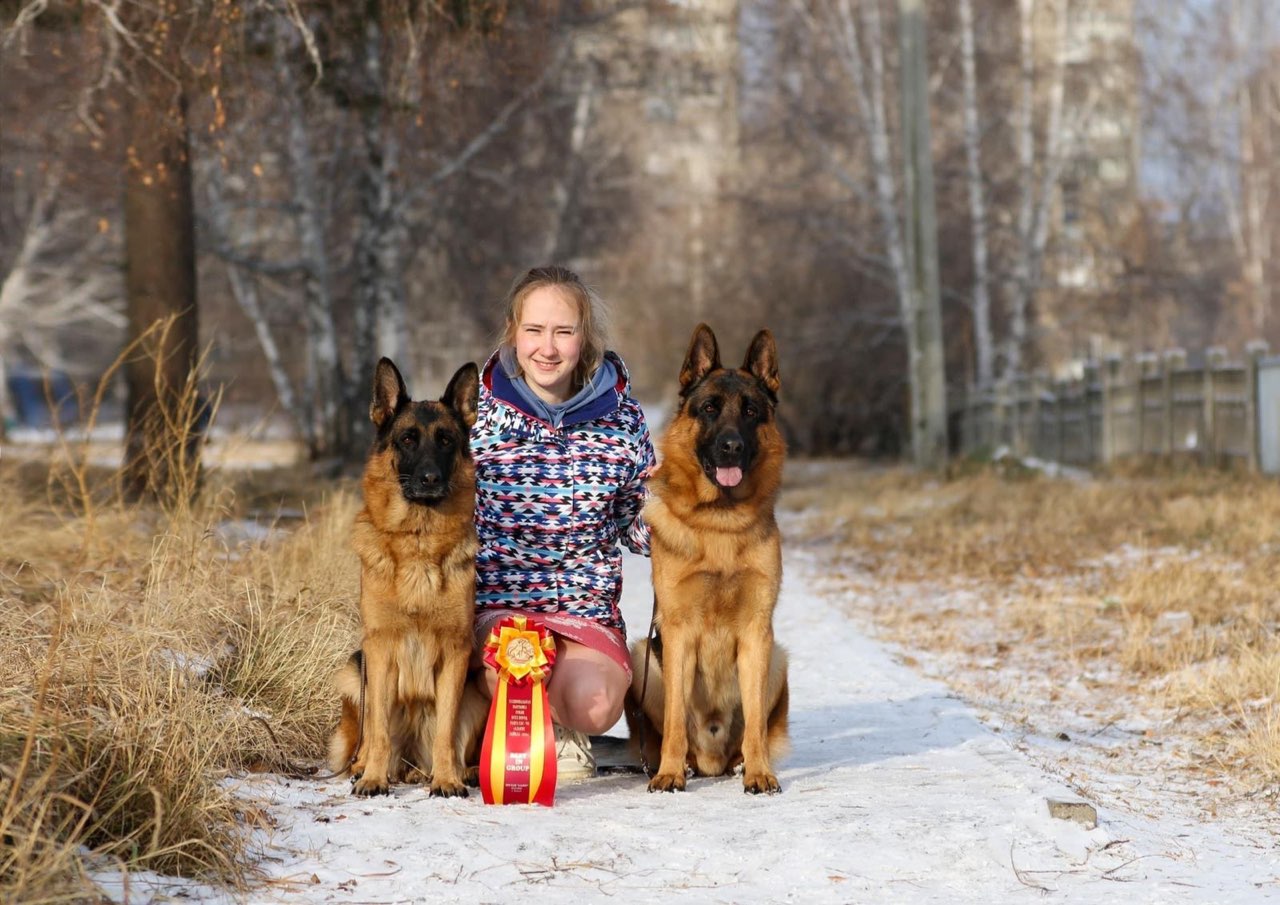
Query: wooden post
{"x": 1000, "y": 414}
{"x": 1213, "y": 359}
{"x": 1039, "y": 382}
{"x": 1254, "y": 352}
{"x": 1060, "y": 403}
{"x": 989, "y": 418}
{"x": 1019, "y": 393}
{"x": 966, "y": 420}
{"x": 1174, "y": 359}
{"x": 1146, "y": 367}
{"x": 1090, "y": 375}
{"x": 1110, "y": 377}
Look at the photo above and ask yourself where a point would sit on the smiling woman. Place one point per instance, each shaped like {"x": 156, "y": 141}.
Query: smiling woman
{"x": 548, "y": 343}
{"x": 562, "y": 455}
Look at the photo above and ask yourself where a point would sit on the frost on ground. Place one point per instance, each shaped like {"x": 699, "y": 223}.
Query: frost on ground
{"x": 895, "y": 792}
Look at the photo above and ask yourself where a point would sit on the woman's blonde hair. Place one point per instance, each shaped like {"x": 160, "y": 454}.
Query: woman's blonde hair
{"x": 591, "y": 314}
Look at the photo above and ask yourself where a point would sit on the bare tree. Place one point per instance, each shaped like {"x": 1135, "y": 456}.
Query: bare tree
{"x": 1212, "y": 119}
{"x": 1247, "y": 110}
{"x": 982, "y": 335}
{"x": 324, "y": 384}
{"x": 1032, "y": 229}
{"x": 928, "y": 377}
{"x": 910, "y": 246}
{"x": 160, "y": 275}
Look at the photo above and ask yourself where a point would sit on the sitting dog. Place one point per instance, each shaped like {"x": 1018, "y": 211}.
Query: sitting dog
{"x": 408, "y": 712}
{"x": 711, "y": 692}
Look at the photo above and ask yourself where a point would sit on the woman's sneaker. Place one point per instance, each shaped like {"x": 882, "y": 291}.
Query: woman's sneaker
{"x": 574, "y": 760}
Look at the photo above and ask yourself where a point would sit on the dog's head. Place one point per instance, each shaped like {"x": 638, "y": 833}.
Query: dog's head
{"x": 733, "y": 408}
{"x": 424, "y": 441}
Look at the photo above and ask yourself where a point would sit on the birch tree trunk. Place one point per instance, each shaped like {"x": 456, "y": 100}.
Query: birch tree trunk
{"x": 984, "y": 346}
{"x": 1247, "y": 25}
{"x": 1019, "y": 285}
{"x": 906, "y": 255}
{"x": 1035, "y": 197}
{"x": 1055, "y": 150}
{"x": 929, "y": 421}
{"x": 325, "y": 381}
{"x": 868, "y": 93}
{"x": 380, "y": 318}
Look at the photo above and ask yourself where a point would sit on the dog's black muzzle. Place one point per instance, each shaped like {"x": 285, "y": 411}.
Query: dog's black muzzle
{"x": 426, "y": 487}
{"x": 726, "y": 459}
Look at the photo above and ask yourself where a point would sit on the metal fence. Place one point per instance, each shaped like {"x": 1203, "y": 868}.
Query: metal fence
{"x": 1216, "y": 412}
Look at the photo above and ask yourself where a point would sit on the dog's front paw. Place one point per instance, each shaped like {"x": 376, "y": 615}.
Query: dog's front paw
{"x": 367, "y": 786}
{"x": 667, "y": 782}
{"x": 756, "y": 783}
{"x": 448, "y": 790}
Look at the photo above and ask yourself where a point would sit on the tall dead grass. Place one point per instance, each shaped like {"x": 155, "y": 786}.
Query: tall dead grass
{"x": 1171, "y": 579}
{"x": 142, "y": 660}
{"x": 134, "y": 684}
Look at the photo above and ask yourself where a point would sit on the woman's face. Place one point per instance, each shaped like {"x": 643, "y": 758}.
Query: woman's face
{"x": 548, "y": 343}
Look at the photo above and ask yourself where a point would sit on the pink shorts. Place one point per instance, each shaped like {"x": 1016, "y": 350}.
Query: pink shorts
{"x": 587, "y": 632}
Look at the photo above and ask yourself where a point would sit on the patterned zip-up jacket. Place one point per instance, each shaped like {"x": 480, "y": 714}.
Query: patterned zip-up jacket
{"x": 552, "y": 503}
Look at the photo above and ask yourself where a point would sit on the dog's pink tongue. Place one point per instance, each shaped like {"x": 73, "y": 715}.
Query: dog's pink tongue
{"x": 728, "y": 477}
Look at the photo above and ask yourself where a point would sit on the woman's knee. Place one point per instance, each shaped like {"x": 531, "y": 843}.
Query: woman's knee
{"x": 588, "y": 699}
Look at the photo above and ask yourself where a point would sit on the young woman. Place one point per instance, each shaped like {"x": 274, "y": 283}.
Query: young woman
{"x": 562, "y": 454}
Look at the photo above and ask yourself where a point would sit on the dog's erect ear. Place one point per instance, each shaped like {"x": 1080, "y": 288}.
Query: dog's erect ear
{"x": 463, "y": 392}
{"x": 702, "y": 358}
{"x": 389, "y": 393}
{"x": 762, "y": 362}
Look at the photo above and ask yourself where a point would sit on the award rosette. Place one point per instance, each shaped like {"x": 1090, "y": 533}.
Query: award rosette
{"x": 518, "y": 754}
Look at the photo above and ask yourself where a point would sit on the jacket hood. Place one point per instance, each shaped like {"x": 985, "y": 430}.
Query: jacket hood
{"x": 495, "y": 382}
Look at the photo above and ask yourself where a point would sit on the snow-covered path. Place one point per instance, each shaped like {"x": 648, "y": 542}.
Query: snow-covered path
{"x": 894, "y": 793}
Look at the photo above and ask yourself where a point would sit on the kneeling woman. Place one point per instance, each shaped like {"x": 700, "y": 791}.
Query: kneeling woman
{"x": 562, "y": 454}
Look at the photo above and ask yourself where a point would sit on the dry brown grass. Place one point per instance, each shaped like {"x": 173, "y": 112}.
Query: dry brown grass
{"x": 1169, "y": 582}
{"x": 143, "y": 657}
{"x": 140, "y": 657}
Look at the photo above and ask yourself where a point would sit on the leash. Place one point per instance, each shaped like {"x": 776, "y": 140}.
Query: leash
{"x": 290, "y": 769}
{"x": 644, "y": 685}
{"x": 641, "y": 719}
{"x": 364, "y": 681}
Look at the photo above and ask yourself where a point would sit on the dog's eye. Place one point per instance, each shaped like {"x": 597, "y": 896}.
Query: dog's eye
{"x": 409, "y": 439}
{"x": 445, "y": 441}
{"x": 709, "y": 408}
{"x": 750, "y": 410}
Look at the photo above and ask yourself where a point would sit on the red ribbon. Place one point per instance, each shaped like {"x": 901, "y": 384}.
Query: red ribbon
{"x": 518, "y": 754}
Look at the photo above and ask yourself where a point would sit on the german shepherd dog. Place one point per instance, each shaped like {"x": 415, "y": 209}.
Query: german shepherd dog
{"x": 715, "y": 697}
{"x": 416, "y": 540}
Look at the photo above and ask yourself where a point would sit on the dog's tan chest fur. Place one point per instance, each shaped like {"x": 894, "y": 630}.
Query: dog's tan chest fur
{"x": 408, "y": 575}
